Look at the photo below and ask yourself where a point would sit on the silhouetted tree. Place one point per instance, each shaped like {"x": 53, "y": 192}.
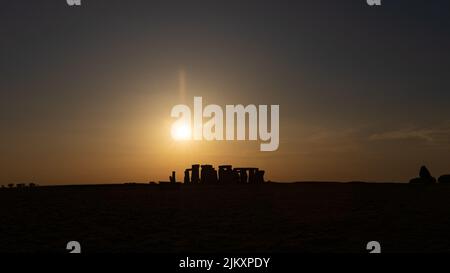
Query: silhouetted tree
{"x": 425, "y": 177}
{"x": 424, "y": 173}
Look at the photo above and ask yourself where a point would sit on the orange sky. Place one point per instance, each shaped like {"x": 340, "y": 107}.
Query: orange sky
{"x": 128, "y": 139}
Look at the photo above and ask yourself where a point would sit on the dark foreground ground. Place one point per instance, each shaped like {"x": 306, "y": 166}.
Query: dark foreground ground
{"x": 270, "y": 218}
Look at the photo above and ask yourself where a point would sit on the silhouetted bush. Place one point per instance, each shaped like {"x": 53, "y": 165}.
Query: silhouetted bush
{"x": 444, "y": 179}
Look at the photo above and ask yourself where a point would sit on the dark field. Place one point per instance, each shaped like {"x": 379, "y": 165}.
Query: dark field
{"x": 269, "y": 218}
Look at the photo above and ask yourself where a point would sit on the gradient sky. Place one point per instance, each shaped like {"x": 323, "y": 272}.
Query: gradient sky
{"x": 86, "y": 92}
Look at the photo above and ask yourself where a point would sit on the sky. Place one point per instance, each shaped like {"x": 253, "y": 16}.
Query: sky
{"x": 86, "y": 92}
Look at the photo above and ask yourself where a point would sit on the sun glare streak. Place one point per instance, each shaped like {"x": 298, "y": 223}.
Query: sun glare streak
{"x": 182, "y": 85}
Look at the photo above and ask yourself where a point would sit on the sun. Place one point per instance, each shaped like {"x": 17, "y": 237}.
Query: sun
{"x": 181, "y": 131}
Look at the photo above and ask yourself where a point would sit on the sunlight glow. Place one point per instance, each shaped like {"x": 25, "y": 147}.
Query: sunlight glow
{"x": 181, "y": 131}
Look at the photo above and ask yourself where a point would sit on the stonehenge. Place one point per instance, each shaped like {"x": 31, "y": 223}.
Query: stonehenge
{"x": 226, "y": 175}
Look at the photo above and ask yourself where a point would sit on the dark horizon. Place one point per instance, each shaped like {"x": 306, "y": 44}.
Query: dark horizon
{"x": 423, "y": 178}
